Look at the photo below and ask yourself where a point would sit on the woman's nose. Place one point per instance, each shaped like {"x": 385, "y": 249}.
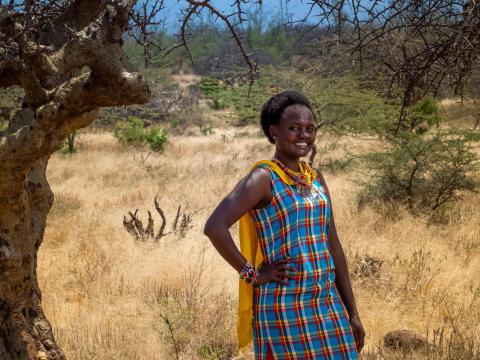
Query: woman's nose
{"x": 304, "y": 134}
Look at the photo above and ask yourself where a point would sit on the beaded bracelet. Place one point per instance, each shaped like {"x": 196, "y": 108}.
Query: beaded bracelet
{"x": 249, "y": 274}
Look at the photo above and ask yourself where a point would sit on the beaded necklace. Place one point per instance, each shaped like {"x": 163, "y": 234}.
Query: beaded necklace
{"x": 302, "y": 180}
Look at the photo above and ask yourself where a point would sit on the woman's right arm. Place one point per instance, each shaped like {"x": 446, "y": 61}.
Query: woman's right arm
{"x": 253, "y": 189}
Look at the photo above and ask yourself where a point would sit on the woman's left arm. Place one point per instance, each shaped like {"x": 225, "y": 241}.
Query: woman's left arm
{"x": 342, "y": 278}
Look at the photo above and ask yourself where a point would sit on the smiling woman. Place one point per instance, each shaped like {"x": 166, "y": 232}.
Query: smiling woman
{"x": 298, "y": 302}
{"x": 288, "y": 122}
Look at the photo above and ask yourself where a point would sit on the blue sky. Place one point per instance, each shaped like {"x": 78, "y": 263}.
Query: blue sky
{"x": 295, "y": 10}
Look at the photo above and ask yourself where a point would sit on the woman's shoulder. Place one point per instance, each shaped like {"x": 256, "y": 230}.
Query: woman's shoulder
{"x": 263, "y": 168}
{"x": 259, "y": 172}
{"x": 258, "y": 176}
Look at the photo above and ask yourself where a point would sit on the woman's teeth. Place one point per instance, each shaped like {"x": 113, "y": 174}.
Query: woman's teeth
{"x": 301, "y": 144}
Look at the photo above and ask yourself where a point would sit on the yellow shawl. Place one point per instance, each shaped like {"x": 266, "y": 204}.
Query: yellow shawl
{"x": 253, "y": 254}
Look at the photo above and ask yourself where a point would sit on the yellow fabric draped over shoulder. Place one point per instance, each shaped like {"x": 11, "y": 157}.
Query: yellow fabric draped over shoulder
{"x": 252, "y": 252}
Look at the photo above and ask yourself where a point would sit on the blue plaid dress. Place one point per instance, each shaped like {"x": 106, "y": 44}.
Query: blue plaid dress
{"x": 305, "y": 319}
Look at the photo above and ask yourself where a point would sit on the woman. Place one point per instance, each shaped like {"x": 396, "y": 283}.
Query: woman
{"x": 302, "y": 290}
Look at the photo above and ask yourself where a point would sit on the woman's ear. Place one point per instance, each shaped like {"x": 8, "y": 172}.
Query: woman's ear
{"x": 273, "y": 132}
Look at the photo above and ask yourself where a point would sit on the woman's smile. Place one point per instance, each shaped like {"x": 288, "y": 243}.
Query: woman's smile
{"x": 295, "y": 133}
{"x": 302, "y": 145}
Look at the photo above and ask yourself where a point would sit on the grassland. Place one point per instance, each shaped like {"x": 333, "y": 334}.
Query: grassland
{"x": 111, "y": 298}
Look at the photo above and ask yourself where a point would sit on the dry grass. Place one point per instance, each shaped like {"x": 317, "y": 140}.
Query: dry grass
{"x": 109, "y": 298}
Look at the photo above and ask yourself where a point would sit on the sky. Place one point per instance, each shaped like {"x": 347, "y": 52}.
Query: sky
{"x": 296, "y": 9}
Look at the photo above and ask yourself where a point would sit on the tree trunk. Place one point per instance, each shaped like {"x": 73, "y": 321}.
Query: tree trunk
{"x": 69, "y": 68}
{"x": 25, "y": 332}
{"x": 59, "y": 99}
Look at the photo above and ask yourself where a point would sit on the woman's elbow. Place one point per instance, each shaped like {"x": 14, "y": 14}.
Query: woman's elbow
{"x": 214, "y": 227}
{"x": 209, "y": 228}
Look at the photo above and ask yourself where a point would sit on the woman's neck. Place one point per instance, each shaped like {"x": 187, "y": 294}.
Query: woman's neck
{"x": 292, "y": 164}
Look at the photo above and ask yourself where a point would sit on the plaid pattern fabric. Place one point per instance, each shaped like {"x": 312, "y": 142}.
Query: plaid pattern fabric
{"x": 305, "y": 319}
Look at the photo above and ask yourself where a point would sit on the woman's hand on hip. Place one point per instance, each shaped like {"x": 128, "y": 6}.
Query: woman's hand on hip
{"x": 279, "y": 271}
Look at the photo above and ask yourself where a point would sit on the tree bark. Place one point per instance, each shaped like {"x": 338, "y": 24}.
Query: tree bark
{"x": 25, "y": 332}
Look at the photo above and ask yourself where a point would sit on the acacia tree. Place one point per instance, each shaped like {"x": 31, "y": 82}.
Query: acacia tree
{"x": 417, "y": 46}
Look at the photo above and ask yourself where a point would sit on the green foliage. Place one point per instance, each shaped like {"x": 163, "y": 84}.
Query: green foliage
{"x": 423, "y": 169}
{"x": 156, "y": 139}
{"x": 246, "y": 101}
{"x": 337, "y": 165}
{"x": 341, "y": 103}
{"x": 347, "y": 108}
{"x": 214, "y": 90}
{"x": 424, "y": 115}
{"x": 423, "y": 172}
{"x": 132, "y": 132}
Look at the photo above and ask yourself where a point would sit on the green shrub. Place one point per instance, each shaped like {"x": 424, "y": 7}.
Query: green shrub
{"x": 132, "y": 132}
{"x": 422, "y": 172}
{"x": 424, "y": 115}
{"x": 156, "y": 139}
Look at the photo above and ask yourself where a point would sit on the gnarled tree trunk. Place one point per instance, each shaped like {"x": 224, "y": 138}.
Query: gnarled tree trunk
{"x": 70, "y": 63}
{"x": 24, "y": 331}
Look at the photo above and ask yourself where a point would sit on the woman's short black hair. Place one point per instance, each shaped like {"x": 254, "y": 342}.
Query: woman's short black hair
{"x": 273, "y": 109}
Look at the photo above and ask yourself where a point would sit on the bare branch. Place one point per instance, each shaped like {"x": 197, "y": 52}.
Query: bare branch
{"x": 149, "y": 230}
{"x": 143, "y": 20}
{"x": 161, "y": 231}
{"x": 195, "y": 7}
{"x": 177, "y": 217}
{"x": 137, "y": 222}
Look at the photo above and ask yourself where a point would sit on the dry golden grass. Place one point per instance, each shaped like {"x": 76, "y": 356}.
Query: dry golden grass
{"x": 111, "y": 298}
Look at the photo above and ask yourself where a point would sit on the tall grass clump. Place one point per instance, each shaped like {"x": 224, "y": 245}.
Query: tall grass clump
{"x": 195, "y": 320}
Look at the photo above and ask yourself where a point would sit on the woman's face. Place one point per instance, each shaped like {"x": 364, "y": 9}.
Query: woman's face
{"x": 294, "y": 135}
